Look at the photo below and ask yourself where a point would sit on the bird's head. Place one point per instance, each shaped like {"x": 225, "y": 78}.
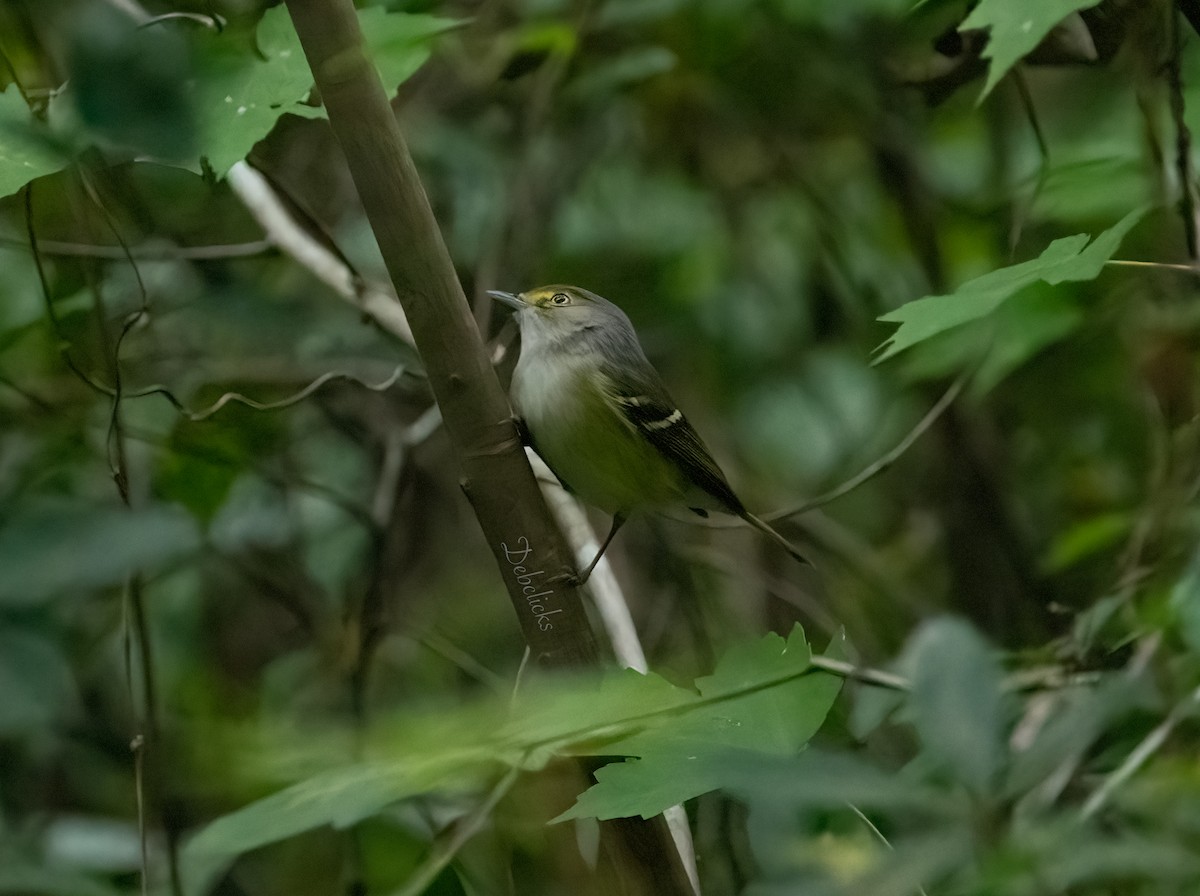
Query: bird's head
{"x": 558, "y": 311}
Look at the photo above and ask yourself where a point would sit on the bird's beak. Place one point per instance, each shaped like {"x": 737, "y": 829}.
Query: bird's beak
{"x": 507, "y": 298}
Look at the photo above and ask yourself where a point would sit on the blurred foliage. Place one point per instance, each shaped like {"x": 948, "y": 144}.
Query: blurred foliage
{"x": 820, "y": 216}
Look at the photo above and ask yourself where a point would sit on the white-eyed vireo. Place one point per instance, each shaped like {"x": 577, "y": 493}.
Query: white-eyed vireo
{"x": 599, "y": 415}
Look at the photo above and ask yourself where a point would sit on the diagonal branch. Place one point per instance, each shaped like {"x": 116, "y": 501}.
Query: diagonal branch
{"x": 496, "y": 477}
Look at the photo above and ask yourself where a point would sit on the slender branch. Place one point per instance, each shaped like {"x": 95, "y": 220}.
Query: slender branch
{"x": 1187, "y": 268}
{"x": 215, "y": 22}
{"x": 878, "y": 836}
{"x": 284, "y": 231}
{"x": 1183, "y": 138}
{"x": 464, "y": 830}
{"x": 146, "y": 742}
{"x": 239, "y": 398}
{"x": 866, "y": 675}
{"x": 1021, "y": 214}
{"x": 1144, "y": 750}
{"x": 137, "y": 746}
{"x": 1044, "y": 679}
{"x": 478, "y": 420}
{"x": 64, "y": 347}
{"x": 884, "y": 462}
{"x": 40, "y": 403}
{"x": 146, "y": 252}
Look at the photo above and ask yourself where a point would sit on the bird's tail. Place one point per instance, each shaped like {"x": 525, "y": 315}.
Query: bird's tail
{"x": 766, "y": 530}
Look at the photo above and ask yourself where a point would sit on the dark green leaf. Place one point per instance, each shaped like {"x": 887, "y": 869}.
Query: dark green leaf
{"x": 57, "y": 547}
{"x": 36, "y": 681}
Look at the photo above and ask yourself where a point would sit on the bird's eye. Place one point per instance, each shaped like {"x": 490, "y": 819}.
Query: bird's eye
{"x": 560, "y": 298}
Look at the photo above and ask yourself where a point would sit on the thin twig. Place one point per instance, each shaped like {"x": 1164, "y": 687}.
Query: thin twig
{"x": 272, "y": 214}
{"x": 64, "y": 347}
{"x": 137, "y": 746}
{"x": 1183, "y": 138}
{"x": 878, "y": 835}
{"x": 145, "y": 741}
{"x": 215, "y": 22}
{"x": 113, "y": 440}
{"x": 1019, "y": 218}
{"x": 40, "y": 403}
{"x": 1043, "y": 679}
{"x": 462, "y": 660}
{"x": 866, "y": 675}
{"x": 147, "y": 252}
{"x": 1143, "y": 751}
{"x": 463, "y": 831}
{"x": 1186, "y": 268}
{"x": 884, "y": 462}
{"x": 295, "y": 398}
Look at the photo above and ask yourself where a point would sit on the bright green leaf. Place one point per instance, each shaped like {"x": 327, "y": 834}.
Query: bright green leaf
{"x": 26, "y": 151}
{"x": 1034, "y": 318}
{"x": 242, "y": 96}
{"x": 1015, "y": 28}
{"x": 399, "y": 43}
{"x": 764, "y": 699}
{"x": 759, "y": 699}
{"x": 1067, "y": 259}
{"x": 1085, "y": 539}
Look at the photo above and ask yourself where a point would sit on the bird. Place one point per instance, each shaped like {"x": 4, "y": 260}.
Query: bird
{"x": 597, "y": 412}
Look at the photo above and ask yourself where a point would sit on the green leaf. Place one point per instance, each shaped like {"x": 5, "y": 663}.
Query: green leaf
{"x": 399, "y": 43}
{"x": 1085, "y": 539}
{"x": 339, "y": 798}
{"x": 1015, "y": 28}
{"x": 763, "y": 697}
{"x": 1068, "y": 259}
{"x": 26, "y": 149}
{"x": 956, "y": 700}
{"x": 57, "y": 547}
{"x": 242, "y": 96}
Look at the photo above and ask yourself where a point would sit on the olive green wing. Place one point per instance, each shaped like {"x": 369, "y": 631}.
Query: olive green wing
{"x": 641, "y": 400}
